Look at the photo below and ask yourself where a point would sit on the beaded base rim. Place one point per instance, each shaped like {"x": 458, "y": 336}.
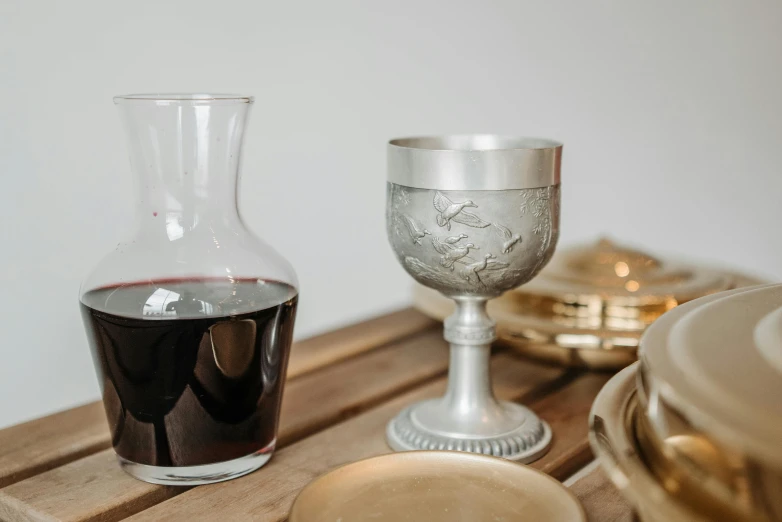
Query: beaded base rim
{"x": 528, "y": 442}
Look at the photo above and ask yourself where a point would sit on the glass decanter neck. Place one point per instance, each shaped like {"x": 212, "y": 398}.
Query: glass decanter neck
{"x": 185, "y": 154}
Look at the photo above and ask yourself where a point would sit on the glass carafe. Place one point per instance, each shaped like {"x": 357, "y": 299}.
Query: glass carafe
{"x": 190, "y": 319}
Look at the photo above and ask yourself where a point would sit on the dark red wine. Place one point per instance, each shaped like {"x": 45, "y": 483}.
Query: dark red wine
{"x": 192, "y": 371}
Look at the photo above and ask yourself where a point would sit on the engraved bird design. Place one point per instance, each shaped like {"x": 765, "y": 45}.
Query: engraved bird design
{"x": 416, "y": 232}
{"x": 487, "y": 262}
{"x": 451, "y": 253}
{"x": 510, "y": 238}
{"x": 450, "y": 211}
{"x": 455, "y": 239}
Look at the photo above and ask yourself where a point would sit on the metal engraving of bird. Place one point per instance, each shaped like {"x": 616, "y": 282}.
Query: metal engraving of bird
{"x": 455, "y": 239}
{"x": 450, "y": 211}
{"x": 510, "y": 238}
{"x": 471, "y": 270}
{"x": 449, "y": 253}
{"x": 416, "y": 232}
{"x": 487, "y": 263}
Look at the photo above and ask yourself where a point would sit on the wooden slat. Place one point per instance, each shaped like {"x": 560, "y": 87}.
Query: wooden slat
{"x": 601, "y": 500}
{"x": 268, "y": 494}
{"x": 94, "y": 488}
{"x": 320, "y": 399}
{"x": 37, "y": 446}
{"x": 330, "y": 347}
{"x": 567, "y": 412}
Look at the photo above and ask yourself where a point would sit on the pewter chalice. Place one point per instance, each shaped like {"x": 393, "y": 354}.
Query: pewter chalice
{"x": 472, "y": 216}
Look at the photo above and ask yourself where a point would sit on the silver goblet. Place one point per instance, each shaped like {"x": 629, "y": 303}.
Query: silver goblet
{"x": 472, "y": 216}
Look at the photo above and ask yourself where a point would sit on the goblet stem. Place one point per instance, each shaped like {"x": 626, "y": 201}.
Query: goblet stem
{"x": 469, "y": 381}
{"x": 468, "y": 417}
{"x": 470, "y": 397}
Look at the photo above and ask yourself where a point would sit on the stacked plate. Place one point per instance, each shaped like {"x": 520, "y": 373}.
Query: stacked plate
{"x": 693, "y": 431}
{"x": 589, "y": 306}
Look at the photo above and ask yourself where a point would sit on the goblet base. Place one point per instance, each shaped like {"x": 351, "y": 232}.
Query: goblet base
{"x": 527, "y": 441}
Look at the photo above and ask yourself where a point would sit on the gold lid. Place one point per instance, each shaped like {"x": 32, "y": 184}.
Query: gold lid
{"x": 715, "y": 362}
{"x": 591, "y": 303}
{"x": 624, "y": 276}
{"x": 434, "y": 486}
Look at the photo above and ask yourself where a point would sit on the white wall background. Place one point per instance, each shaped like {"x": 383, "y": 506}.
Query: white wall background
{"x": 670, "y": 111}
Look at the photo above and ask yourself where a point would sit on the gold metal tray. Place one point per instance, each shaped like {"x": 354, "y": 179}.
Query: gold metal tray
{"x": 435, "y": 486}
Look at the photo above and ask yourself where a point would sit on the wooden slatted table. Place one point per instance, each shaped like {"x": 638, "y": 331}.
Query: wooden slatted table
{"x": 342, "y": 389}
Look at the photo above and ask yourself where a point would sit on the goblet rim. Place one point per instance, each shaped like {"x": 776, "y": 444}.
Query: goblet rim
{"x": 474, "y": 162}
{"x": 474, "y": 143}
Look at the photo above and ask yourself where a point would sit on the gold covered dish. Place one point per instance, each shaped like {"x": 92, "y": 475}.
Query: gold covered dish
{"x": 695, "y": 427}
{"x": 591, "y": 304}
